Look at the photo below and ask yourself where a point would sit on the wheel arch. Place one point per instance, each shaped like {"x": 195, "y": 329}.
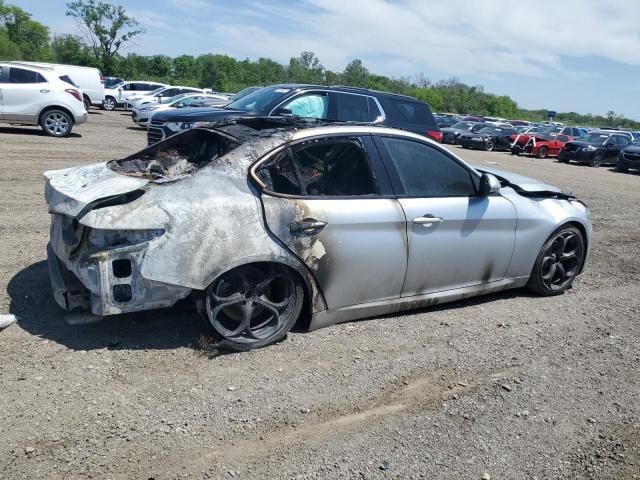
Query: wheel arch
{"x": 56, "y": 107}
{"x": 585, "y": 237}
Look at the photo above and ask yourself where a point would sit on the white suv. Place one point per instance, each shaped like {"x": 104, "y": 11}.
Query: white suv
{"x": 118, "y": 94}
{"x": 31, "y": 95}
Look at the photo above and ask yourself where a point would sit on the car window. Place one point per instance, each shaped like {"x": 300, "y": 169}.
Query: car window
{"x": 328, "y": 167}
{"x": 563, "y": 138}
{"x": 20, "y": 75}
{"x": 424, "y": 171}
{"x": 413, "y": 112}
{"x": 353, "y": 108}
{"x": 374, "y": 110}
{"x": 313, "y": 105}
{"x": 67, "y": 79}
{"x": 4, "y": 71}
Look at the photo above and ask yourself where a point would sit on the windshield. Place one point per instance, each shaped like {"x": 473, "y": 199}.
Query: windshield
{"x": 157, "y": 90}
{"x": 244, "y": 92}
{"x": 491, "y": 130}
{"x": 257, "y": 101}
{"x": 463, "y": 125}
{"x": 175, "y": 98}
{"x": 596, "y": 138}
{"x": 116, "y": 85}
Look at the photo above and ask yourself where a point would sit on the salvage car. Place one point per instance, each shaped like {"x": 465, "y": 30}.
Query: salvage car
{"x": 450, "y": 135}
{"x": 337, "y": 103}
{"x": 629, "y": 158}
{"x": 267, "y": 221}
{"x": 595, "y": 148}
{"x": 488, "y": 138}
{"x": 541, "y": 145}
{"x": 141, "y": 114}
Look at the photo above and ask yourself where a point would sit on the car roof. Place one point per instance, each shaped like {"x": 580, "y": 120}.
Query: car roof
{"x": 344, "y": 88}
{"x": 28, "y": 65}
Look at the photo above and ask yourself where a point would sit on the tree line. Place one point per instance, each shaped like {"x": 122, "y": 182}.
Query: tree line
{"x": 104, "y": 28}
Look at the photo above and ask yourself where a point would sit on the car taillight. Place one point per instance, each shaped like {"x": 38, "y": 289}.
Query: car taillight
{"x": 101, "y": 78}
{"x": 436, "y": 135}
{"x": 75, "y": 93}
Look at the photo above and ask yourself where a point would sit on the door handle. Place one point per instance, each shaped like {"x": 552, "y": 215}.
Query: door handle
{"x": 44, "y": 90}
{"x": 427, "y": 220}
{"x": 308, "y": 226}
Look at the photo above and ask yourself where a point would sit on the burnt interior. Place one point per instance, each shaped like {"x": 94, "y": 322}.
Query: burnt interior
{"x": 176, "y": 156}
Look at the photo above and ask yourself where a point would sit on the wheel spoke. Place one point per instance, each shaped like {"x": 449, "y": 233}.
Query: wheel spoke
{"x": 561, "y": 273}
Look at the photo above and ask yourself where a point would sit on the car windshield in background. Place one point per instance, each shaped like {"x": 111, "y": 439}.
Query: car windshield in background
{"x": 463, "y": 125}
{"x": 244, "y": 92}
{"x": 176, "y": 97}
{"x": 492, "y": 130}
{"x": 157, "y": 90}
{"x": 117, "y": 85}
{"x": 257, "y": 101}
{"x": 595, "y": 138}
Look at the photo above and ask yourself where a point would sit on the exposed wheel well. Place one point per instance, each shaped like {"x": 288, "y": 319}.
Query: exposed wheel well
{"x": 55, "y": 107}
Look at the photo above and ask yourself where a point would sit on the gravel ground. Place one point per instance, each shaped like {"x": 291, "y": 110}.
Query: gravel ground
{"x": 509, "y": 386}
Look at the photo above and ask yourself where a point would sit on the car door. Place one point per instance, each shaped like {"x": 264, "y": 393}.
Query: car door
{"x": 614, "y": 145}
{"x": 557, "y": 143}
{"x": 329, "y": 201}
{"x": 457, "y": 238}
{"x": 24, "y": 94}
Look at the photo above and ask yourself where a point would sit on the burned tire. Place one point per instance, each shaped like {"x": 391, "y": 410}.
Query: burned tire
{"x": 56, "y": 123}
{"x": 596, "y": 160}
{"x": 542, "y": 152}
{"x": 253, "y": 306}
{"x": 558, "y": 263}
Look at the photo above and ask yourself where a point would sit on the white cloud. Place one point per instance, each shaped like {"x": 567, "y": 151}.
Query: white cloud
{"x": 459, "y": 37}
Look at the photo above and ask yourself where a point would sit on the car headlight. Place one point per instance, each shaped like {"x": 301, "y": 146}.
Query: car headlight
{"x": 100, "y": 239}
{"x": 185, "y": 125}
{"x": 589, "y": 148}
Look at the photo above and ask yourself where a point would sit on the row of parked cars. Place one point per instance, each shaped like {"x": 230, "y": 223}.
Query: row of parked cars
{"x": 594, "y": 147}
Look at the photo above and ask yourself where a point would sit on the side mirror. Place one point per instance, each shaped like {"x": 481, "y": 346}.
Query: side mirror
{"x": 489, "y": 184}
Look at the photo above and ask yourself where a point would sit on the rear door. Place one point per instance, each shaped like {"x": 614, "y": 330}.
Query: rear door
{"x": 24, "y": 94}
{"x": 328, "y": 201}
{"x": 456, "y": 237}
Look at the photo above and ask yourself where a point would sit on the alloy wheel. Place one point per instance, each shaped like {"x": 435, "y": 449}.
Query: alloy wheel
{"x": 56, "y": 124}
{"x": 109, "y": 103}
{"x": 251, "y": 304}
{"x": 561, "y": 260}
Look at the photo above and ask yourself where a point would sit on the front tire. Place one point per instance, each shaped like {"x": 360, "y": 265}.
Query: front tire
{"x": 488, "y": 147}
{"x": 109, "y": 103}
{"x": 558, "y": 263}
{"x": 253, "y": 306}
{"x": 596, "y": 160}
{"x": 56, "y": 123}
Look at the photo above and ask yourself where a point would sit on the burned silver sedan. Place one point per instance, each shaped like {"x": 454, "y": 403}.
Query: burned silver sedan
{"x": 265, "y": 222}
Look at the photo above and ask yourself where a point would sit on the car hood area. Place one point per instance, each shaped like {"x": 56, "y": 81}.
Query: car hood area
{"x": 520, "y": 182}
{"x": 198, "y": 114}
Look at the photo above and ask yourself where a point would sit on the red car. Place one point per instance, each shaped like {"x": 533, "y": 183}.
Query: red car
{"x": 541, "y": 145}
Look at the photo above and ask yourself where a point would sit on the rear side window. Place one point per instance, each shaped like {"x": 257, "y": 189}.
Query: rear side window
{"x": 411, "y": 112}
{"x": 67, "y": 79}
{"x": 353, "y": 108}
{"x": 423, "y": 171}
{"x": 333, "y": 167}
{"x": 20, "y": 75}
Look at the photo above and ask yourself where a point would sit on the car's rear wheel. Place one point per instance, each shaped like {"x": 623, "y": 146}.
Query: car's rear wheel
{"x": 542, "y": 152}
{"x": 488, "y": 146}
{"x": 559, "y": 262}
{"x": 56, "y": 123}
{"x": 596, "y": 160}
{"x": 253, "y": 306}
{"x": 87, "y": 103}
{"x": 109, "y": 103}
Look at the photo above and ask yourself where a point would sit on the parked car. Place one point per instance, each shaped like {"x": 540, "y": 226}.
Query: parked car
{"x": 595, "y": 148}
{"x": 161, "y": 95}
{"x": 450, "y": 135}
{"x": 88, "y": 79}
{"x": 36, "y": 95}
{"x": 345, "y": 104}
{"x": 629, "y": 158}
{"x": 444, "y": 121}
{"x": 117, "y": 95}
{"x": 523, "y": 138}
{"x": 243, "y": 93}
{"x": 109, "y": 82}
{"x": 541, "y": 145}
{"x": 259, "y": 218}
{"x": 143, "y": 113}
{"x": 488, "y": 138}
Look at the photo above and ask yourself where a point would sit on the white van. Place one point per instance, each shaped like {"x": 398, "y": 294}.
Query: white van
{"x": 87, "y": 79}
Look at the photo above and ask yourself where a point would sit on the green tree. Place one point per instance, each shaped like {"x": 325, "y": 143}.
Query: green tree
{"x": 69, "y": 49}
{"x": 306, "y": 68}
{"x": 106, "y": 27}
{"x": 355, "y": 74}
{"x": 31, "y": 38}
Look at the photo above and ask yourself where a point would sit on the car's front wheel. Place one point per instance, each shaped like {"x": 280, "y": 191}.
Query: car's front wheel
{"x": 596, "y": 160}
{"x": 542, "y": 152}
{"x": 253, "y": 306}
{"x": 109, "y": 103}
{"x": 488, "y": 146}
{"x": 56, "y": 123}
{"x": 559, "y": 262}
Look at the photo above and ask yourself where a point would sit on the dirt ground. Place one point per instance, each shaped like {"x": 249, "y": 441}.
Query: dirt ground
{"x": 509, "y": 386}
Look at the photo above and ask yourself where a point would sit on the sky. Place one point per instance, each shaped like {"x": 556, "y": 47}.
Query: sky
{"x": 570, "y": 55}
